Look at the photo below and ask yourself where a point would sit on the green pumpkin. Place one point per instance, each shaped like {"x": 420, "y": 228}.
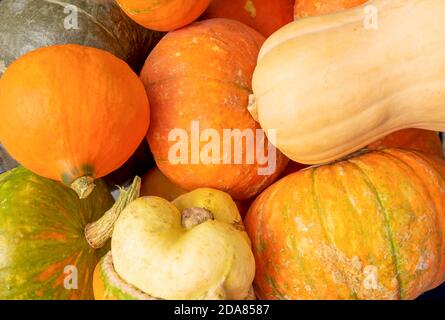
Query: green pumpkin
{"x": 26, "y": 25}
{"x": 42, "y": 237}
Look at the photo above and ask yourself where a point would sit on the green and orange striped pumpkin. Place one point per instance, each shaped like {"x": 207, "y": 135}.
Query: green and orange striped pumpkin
{"x": 42, "y": 237}
{"x": 369, "y": 227}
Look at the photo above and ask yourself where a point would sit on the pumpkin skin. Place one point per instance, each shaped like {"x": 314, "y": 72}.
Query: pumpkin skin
{"x": 413, "y": 139}
{"x": 155, "y": 243}
{"x": 370, "y": 227}
{"x": 188, "y": 78}
{"x": 265, "y": 16}
{"x": 163, "y": 15}
{"x": 41, "y": 232}
{"x": 31, "y": 24}
{"x": 87, "y": 131}
{"x": 335, "y": 120}
{"x": 309, "y": 8}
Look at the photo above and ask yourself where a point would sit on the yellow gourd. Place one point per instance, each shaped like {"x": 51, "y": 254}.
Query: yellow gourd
{"x": 332, "y": 84}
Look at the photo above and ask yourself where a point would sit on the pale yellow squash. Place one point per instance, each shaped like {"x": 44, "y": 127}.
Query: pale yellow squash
{"x": 332, "y": 84}
{"x": 192, "y": 248}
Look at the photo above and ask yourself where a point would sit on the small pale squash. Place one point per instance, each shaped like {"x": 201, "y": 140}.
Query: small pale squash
{"x": 44, "y": 251}
{"x": 344, "y": 80}
{"x": 192, "y": 248}
{"x": 369, "y": 227}
{"x": 72, "y": 122}
{"x": 163, "y": 15}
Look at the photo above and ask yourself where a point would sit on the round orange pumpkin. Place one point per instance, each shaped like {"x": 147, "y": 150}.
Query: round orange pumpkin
{"x": 309, "y": 8}
{"x": 72, "y": 113}
{"x": 163, "y": 15}
{"x": 202, "y": 75}
{"x": 370, "y": 227}
{"x": 265, "y": 16}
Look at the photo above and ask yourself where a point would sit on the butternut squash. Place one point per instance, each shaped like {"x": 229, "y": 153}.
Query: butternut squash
{"x": 333, "y": 84}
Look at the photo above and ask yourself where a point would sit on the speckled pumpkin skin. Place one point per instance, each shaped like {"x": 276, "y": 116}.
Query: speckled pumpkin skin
{"x": 371, "y": 227}
{"x": 203, "y": 73}
{"x": 41, "y": 232}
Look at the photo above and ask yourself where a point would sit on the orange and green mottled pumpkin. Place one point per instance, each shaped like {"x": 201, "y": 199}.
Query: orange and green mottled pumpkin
{"x": 370, "y": 227}
{"x": 42, "y": 232}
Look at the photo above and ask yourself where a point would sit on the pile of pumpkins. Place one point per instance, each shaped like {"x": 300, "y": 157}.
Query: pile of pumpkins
{"x": 355, "y": 205}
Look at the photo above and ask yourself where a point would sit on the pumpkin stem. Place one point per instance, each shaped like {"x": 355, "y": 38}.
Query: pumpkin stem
{"x": 97, "y": 233}
{"x": 252, "y": 107}
{"x": 192, "y": 217}
{"x": 83, "y": 186}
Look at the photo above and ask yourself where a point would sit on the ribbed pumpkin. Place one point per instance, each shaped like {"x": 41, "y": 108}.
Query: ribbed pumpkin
{"x": 164, "y": 15}
{"x": 265, "y": 16}
{"x": 370, "y": 227}
{"x": 41, "y": 233}
{"x": 203, "y": 74}
{"x": 72, "y": 113}
{"x": 31, "y": 24}
{"x": 308, "y": 8}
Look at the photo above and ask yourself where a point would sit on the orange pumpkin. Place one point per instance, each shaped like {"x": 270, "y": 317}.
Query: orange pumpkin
{"x": 414, "y": 139}
{"x": 202, "y": 74}
{"x": 265, "y": 16}
{"x": 309, "y": 8}
{"x": 163, "y": 15}
{"x": 72, "y": 113}
{"x": 370, "y": 227}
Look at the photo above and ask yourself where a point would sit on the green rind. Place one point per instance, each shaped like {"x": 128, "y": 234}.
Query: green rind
{"x": 42, "y": 232}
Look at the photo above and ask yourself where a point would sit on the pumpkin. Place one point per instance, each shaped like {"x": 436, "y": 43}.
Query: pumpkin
{"x": 200, "y": 234}
{"x": 199, "y": 78}
{"x": 262, "y": 15}
{"x": 75, "y": 121}
{"x": 31, "y": 24}
{"x": 164, "y": 15}
{"x": 44, "y": 252}
{"x": 309, "y": 8}
{"x": 347, "y": 84}
{"x": 369, "y": 227}
{"x": 414, "y": 139}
